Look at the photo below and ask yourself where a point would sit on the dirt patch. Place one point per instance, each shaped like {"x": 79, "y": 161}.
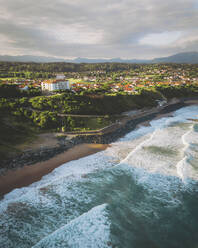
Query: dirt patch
{"x": 42, "y": 140}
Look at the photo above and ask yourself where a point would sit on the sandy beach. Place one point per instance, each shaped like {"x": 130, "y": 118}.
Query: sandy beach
{"x": 28, "y": 174}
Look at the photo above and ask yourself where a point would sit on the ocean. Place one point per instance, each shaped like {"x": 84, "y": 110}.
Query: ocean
{"x": 141, "y": 192}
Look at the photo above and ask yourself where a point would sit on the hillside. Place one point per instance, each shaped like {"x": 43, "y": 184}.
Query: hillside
{"x": 186, "y": 57}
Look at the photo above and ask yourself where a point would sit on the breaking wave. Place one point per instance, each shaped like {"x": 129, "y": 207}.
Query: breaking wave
{"x": 140, "y": 192}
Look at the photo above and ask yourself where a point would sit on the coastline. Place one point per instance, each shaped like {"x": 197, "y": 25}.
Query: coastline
{"x": 45, "y": 160}
{"x": 29, "y": 174}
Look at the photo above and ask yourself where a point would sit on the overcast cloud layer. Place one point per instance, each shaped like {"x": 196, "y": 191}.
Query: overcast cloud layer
{"x": 98, "y": 28}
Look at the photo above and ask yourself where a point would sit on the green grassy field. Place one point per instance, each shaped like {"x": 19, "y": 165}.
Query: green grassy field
{"x": 10, "y": 78}
{"x": 75, "y": 80}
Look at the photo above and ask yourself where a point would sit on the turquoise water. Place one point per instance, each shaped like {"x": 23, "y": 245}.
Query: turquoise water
{"x": 140, "y": 192}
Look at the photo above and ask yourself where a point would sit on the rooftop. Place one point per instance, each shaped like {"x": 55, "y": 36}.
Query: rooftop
{"x": 54, "y": 81}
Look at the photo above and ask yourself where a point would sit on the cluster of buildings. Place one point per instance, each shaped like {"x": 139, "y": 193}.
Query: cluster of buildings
{"x": 59, "y": 83}
{"x": 23, "y": 84}
{"x": 127, "y": 81}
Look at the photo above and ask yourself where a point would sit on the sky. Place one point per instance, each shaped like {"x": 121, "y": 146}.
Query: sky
{"x": 141, "y": 29}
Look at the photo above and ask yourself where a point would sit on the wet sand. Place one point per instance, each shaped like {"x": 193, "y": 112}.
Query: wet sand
{"x": 28, "y": 174}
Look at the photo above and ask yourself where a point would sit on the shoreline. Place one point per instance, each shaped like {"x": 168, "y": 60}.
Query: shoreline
{"x": 80, "y": 146}
{"x": 31, "y": 173}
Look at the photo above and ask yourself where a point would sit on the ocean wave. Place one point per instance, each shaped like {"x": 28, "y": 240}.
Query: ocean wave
{"x": 91, "y": 229}
{"x": 130, "y": 195}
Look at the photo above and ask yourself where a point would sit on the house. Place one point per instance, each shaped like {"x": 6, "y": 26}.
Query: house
{"x": 59, "y": 83}
{"x": 24, "y": 87}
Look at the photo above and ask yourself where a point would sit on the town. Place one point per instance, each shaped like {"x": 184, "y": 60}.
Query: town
{"x": 68, "y": 99}
{"x": 119, "y": 80}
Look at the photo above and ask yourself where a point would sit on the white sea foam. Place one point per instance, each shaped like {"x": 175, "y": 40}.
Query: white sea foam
{"x": 71, "y": 171}
{"x": 158, "y": 153}
{"x": 91, "y": 229}
{"x": 151, "y": 156}
{"x": 127, "y": 149}
{"x": 140, "y": 146}
{"x": 182, "y": 164}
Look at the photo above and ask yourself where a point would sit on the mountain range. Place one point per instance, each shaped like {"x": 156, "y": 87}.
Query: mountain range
{"x": 187, "y": 57}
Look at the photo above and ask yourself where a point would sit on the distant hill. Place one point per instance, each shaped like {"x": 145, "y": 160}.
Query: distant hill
{"x": 30, "y": 58}
{"x": 43, "y": 59}
{"x": 113, "y": 60}
{"x": 187, "y": 57}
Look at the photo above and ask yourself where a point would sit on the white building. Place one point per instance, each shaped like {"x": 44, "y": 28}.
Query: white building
{"x": 60, "y": 83}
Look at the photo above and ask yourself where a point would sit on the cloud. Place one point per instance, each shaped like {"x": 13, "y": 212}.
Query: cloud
{"x": 160, "y": 39}
{"x": 99, "y": 28}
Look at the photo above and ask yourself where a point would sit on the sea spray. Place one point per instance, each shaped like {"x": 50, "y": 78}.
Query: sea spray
{"x": 182, "y": 164}
{"x": 134, "y": 200}
{"x": 91, "y": 229}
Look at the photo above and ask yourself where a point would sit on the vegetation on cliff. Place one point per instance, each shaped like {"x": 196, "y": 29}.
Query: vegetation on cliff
{"x": 23, "y": 115}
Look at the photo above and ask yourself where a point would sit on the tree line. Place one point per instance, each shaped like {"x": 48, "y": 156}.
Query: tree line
{"x": 45, "y": 111}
